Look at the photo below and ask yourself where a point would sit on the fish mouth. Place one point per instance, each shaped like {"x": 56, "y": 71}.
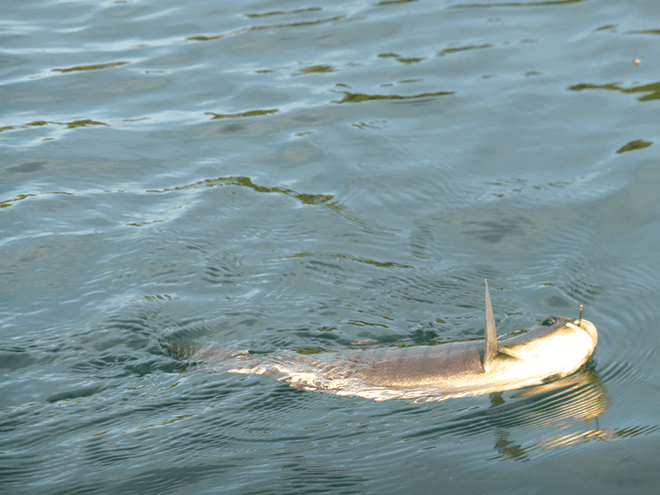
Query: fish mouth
{"x": 587, "y": 327}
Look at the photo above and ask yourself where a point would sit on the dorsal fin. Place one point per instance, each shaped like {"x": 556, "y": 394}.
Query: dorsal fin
{"x": 490, "y": 333}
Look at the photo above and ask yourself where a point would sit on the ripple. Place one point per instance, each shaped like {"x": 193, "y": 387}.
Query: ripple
{"x": 305, "y": 198}
{"x": 78, "y": 68}
{"x": 361, "y": 97}
{"x": 187, "y": 175}
{"x": 572, "y": 399}
{"x": 265, "y": 27}
{"x": 652, "y": 89}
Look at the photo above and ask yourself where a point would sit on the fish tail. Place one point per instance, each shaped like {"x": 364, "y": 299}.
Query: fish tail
{"x": 182, "y": 352}
{"x": 198, "y": 354}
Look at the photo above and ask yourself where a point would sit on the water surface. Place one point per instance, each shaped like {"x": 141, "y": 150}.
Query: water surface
{"x": 287, "y": 176}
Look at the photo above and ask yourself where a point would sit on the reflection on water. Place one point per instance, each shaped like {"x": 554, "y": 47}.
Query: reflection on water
{"x": 305, "y": 198}
{"x": 359, "y": 97}
{"x": 250, "y": 113}
{"x": 265, "y": 27}
{"x": 91, "y": 67}
{"x": 565, "y": 403}
{"x": 652, "y": 89}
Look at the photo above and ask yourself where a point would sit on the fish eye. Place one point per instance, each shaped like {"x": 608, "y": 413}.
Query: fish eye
{"x": 549, "y": 322}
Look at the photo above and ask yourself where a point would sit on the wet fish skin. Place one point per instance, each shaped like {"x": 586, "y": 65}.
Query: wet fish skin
{"x": 545, "y": 353}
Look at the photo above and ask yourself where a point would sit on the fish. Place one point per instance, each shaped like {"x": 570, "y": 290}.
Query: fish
{"x": 555, "y": 349}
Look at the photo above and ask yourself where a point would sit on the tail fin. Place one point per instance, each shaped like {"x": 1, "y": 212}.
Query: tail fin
{"x": 182, "y": 352}
{"x": 490, "y": 333}
{"x": 198, "y": 354}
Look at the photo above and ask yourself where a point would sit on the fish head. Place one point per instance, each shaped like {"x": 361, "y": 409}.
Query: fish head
{"x": 563, "y": 344}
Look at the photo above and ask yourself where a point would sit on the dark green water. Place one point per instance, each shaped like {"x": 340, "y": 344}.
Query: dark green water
{"x": 296, "y": 176}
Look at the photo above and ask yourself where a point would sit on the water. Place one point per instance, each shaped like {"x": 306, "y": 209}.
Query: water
{"x": 298, "y": 176}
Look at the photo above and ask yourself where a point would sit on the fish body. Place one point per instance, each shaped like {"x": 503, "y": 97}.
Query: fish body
{"x": 553, "y": 350}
